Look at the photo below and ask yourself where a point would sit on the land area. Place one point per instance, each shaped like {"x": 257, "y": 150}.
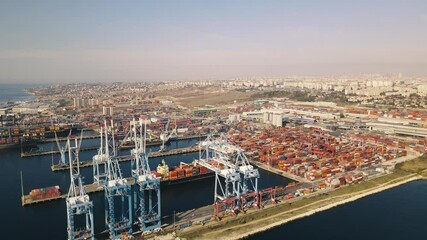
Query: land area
{"x": 199, "y": 97}
{"x": 256, "y": 220}
{"x": 328, "y": 136}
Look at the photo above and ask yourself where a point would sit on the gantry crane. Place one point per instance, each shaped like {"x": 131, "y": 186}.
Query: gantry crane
{"x": 147, "y": 185}
{"x": 77, "y": 201}
{"x": 101, "y": 158}
{"x": 62, "y": 151}
{"x": 118, "y": 195}
{"x": 166, "y": 136}
{"x": 240, "y": 178}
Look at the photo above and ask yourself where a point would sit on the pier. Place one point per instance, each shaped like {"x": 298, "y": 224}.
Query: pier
{"x": 50, "y": 140}
{"x": 44, "y": 153}
{"x": 93, "y": 187}
{"x": 89, "y": 188}
{"x": 89, "y": 163}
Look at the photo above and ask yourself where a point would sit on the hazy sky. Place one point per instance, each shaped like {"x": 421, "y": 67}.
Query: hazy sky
{"x": 91, "y": 41}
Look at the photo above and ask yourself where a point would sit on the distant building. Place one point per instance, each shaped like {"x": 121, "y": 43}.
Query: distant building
{"x": 253, "y": 115}
{"x": 274, "y": 117}
{"x": 93, "y": 102}
{"x": 234, "y": 118}
{"x": 80, "y": 102}
{"x": 204, "y": 111}
{"x": 107, "y": 111}
{"x": 4, "y": 111}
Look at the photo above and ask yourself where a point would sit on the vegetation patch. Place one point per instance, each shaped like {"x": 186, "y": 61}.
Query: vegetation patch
{"x": 414, "y": 166}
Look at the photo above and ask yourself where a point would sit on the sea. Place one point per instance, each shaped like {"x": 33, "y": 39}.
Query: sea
{"x": 397, "y": 213}
{"x": 15, "y": 92}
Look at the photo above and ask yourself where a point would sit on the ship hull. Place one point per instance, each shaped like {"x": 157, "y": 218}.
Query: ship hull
{"x": 17, "y": 145}
{"x": 148, "y": 144}
{"x": 187, "y": 179}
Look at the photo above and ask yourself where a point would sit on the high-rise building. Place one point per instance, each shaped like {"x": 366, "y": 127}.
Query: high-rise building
{"x": 80, "y": 102}
{"x": 107, "y": 111}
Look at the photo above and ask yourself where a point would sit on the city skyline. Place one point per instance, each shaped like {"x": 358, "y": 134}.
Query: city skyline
{"x": 98, "y": 41}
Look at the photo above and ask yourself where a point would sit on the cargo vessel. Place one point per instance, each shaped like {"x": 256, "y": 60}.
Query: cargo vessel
{"x": 11, "y": 143}
{"x": 185, "y": 172}
{"x": 127, "y": 144}
{"x": 45, "y": 193}
{"x": 26, "y": 137}
{"x": 168, "y": 176}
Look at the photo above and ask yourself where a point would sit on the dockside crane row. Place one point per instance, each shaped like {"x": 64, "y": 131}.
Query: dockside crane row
{"x": 77, "y": 201}
{"x": 118, "y": 214}
{"x": 147, "y": 187}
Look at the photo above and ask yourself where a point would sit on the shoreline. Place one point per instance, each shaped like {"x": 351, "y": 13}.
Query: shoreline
{"x": 327, "y": 207}
{"x": 246, "y": 225}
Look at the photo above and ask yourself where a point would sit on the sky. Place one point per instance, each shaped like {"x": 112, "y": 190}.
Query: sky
{"x": 103, "y": 41}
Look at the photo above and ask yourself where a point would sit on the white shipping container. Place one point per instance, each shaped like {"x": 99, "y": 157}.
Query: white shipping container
{"x": 182, "y": 130}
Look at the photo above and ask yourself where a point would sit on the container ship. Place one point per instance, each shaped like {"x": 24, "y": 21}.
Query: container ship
{"x": 25, "y": 137}
{"x": 45, "y": 193}
{"x": 16, "y": 143}
{"x": 185, "y": 172}
{"x": 168, "y": 176}
{"x": 129, "y": 144}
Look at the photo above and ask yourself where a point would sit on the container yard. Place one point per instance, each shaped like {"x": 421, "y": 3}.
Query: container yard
{"x": 317, "y": 155}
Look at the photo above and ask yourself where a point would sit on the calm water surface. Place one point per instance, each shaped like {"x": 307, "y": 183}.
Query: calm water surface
{"x": 48, "y": 220}
{"x": 395, "y": 214}
{"x": 15, "y": 92}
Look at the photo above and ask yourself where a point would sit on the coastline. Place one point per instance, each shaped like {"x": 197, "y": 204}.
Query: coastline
{"x": 327, "y": 207}
{"x": 260, "y": 221}
{"x": 16, "y": 93}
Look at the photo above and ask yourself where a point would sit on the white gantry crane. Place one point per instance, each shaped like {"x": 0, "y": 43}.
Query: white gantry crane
{"x": 100, "y": 160}
{"x": 166, "y": 136}
{"x": 62, "y": 151}
{"x": 230, "y": 163}
{"x": 118, "y": 194}
{"x": 77, "y": 201}
{"x": 147, "y": 185}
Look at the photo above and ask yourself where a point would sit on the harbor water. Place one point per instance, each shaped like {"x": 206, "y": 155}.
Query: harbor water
{"x": 394, "y": 214}
{"x": 48, "y": 220}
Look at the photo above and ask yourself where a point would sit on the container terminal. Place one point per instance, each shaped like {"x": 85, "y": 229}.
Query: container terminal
{"x": 315, "y": 146}
{"x": 312, "y": 156}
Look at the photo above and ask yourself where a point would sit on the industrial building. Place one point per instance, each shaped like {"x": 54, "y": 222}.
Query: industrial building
{"x": 274, "y": 117}
{"x": 395, "y": 128}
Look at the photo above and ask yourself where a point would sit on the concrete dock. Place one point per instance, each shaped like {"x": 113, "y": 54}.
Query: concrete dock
{"x": 93, "y": 187}
{"x": 89, "y": 163}
{"x": 44, "y": 153}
